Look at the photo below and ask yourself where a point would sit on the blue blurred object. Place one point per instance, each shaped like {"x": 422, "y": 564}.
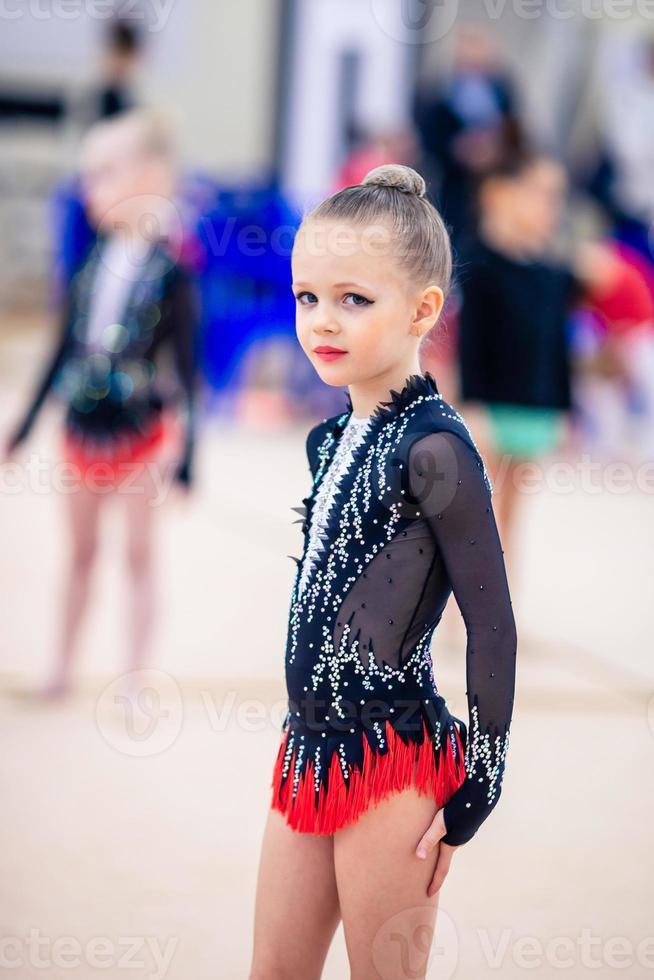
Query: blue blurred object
{"x": 72, "y": 234}
{"x": 245, "y": 241}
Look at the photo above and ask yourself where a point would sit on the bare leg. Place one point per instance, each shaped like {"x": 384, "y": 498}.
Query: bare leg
{"x": 137, "y": 495}
{"x": 82, "y": 510}
{"x": 297, "y": 908}
{"x": 388, "y": 918}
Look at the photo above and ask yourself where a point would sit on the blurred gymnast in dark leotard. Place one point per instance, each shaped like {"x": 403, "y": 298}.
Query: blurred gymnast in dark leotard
{"x": 128, "y": 300}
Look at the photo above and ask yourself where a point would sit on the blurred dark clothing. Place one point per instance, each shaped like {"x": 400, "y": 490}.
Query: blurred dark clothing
{"x": 113, "y": 99}
{"x": 462, "y": 130}
{"x": 513, "y": 329}
{"x": 110, "y": 381}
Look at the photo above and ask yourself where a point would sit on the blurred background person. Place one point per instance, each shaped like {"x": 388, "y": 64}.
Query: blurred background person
{"x": 127, "y": 301}
{"x": 121, "y": 61}
{"x": 621, "y": 176}
{"x": 613, "y": 349}
{"x": 513, "y": 347}
{"x": 468, "y": 124}
{"x": 116, "y": 73}
{"x": 374, "y": 151}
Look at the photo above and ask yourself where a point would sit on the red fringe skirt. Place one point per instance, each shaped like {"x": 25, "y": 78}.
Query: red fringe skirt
{"x": 112, "y": 460}
{"x": 434, "y": 772}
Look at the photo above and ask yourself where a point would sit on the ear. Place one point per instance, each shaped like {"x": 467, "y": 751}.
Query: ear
{"x": 428, "y": 309}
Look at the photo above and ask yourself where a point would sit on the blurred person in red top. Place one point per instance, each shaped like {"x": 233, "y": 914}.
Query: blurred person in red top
{"x": 615, "y": 349}
{"x": 397, "y": 146}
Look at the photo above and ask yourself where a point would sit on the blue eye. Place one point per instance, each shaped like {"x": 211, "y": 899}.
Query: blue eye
{"x": 359, "y": 300}
{"x": 300, "y": 297}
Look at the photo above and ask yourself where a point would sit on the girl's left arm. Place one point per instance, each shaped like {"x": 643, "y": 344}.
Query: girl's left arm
{"x": 182, "y": 312}
{"x": 446, "y": 477}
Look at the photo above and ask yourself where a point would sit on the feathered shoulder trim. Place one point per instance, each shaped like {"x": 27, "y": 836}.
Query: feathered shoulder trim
{"x": 416, "y": 385}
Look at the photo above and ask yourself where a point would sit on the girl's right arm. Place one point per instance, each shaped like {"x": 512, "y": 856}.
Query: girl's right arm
{"x": 44, "y": 385}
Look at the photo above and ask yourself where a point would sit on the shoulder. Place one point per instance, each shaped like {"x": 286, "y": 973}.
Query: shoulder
{"x": 439, "y": 435}
{"x": 435, "y": 414}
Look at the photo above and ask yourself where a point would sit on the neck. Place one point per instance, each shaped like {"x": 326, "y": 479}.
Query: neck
{"x": 366, "y": 395}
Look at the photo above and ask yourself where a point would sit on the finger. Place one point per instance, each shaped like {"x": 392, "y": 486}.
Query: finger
{"x": 432, "y": 835}
{"x": 441, "y": 869}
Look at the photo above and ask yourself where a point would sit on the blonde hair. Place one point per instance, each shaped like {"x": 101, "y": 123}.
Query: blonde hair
{"x": 156, "y": 131}
{"x": 151, "y": 130}
{"x": 396, "y": 193}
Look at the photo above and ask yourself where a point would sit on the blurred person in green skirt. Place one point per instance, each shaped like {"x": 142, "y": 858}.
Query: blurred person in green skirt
{"x": 513, "y": 351}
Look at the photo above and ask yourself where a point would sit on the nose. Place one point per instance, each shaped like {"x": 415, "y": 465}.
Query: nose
{"x": 326, "y": 324}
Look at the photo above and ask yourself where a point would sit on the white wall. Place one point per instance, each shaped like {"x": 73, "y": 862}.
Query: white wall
{"x": 324, "y": 29}
{"x": 213, "y": 64}
{"x": 216, "y": 64}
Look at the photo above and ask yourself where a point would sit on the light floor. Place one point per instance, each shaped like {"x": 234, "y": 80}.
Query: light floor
{"x": 144, "y": 828}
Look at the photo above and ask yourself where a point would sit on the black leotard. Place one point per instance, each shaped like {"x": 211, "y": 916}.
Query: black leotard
{"x": 112, "y": 389}
{"x": 513, "y": 344}
{"x": 412, "y": 521}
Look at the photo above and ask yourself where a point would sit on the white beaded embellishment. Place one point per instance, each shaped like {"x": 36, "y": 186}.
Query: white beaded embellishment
{"x": 485, "y": 757}
{"x": 352, "y": 436}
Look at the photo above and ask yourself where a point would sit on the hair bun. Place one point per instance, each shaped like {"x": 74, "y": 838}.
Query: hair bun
{"x": 396, "y": 175}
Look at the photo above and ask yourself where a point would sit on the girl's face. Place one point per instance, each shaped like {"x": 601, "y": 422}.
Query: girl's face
{"x": 121, "y": 182}
{"x": 355, "y": 299}
{"x": 542, "y": 191}
{"x": 530, "y": 203}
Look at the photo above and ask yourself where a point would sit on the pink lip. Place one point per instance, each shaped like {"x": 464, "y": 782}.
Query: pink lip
{"x": 329, "y": 353}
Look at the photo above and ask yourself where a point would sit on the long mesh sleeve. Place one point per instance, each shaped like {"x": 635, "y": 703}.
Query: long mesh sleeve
{"x": 446, "y": 478}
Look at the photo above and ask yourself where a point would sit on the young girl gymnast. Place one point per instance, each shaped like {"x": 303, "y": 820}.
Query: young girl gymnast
{"x": 376, "y": 782}
{"x": 128, "y": 303}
